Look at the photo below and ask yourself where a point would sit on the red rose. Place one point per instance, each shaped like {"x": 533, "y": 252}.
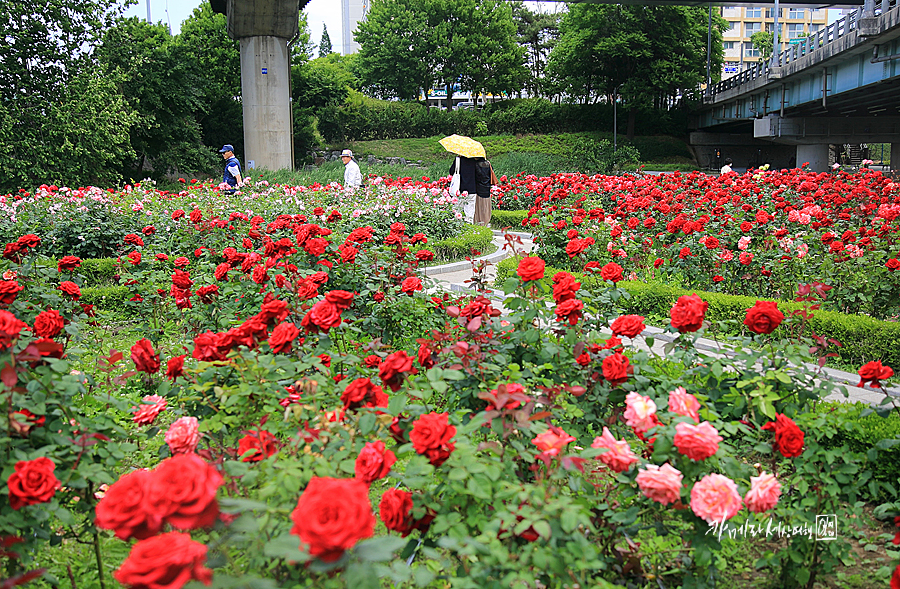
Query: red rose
{"x": 207, "y": 347}
{"x": 10, "y": 328}
{"x": 531, "y": 268}
{"x": 29, "y": 240}
{"x": 431, "y": 435}
{"x": 788, "y": 437}
{"x": 616, "y": 368}
{"x": 394, "y": 509}
{"x": 167, "y": 561}
{"x": 126, "y": 509}
{"x": 611, "y": 271}
{"x": 67, "y": 263}
{"x": 48, "y": 323}
{"x": 182, "y": 279}
{"x": 206, "y": 293}
{"x": 273, "y": 311}
{"x": 183, "y": 492}
{"x": 424, "y": 255}
{"x": 69, "y": 288}
{"x": 410, "y": 285}
{"x": 687, "y": 313}
{"x": 144, "y": 357}
{"x": 374, "y": 462}
{"x": 175, "y": 367}
{"x": 221, "y": 272}
{"x": 32, "y": 482}
{"x": 148, "y": 230}
{"x": 564, "y": 287}
{"x": 324, "y": 315}
{"x": 134, "y": 239}
{"x": 9, "y": 289}
{"x": 261, "y": 442}
{"x": 393, "y": 369}
{"x": 282, "y": 337}
{"x": 196, "y": 216}
{"x": 874, "y": 372}
{"x": 892, "y": 264}
{"x": 332, "y": 515}
{"x": 569, "y": 310}
{"x": 628, "y": 325}
{"x": 763, "y": 317}
{"x": 341, "y": 299}
{"x": 360, "y": 392}
{"x": 22, "y": 421}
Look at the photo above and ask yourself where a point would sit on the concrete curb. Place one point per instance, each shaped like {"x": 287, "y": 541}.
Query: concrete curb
{"x": 498, "y": 240}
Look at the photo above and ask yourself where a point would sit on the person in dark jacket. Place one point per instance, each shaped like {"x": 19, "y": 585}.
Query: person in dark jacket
{"x": 232, "y": 175}
{"x": 476, "y": 176}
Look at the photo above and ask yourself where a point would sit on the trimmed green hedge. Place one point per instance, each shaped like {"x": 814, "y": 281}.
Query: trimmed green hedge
{"x": 862, "y": 434}
{"x": 107, "y": 297}
{"x": 864, "y": 339}
{"x": 508, "y": 219}
{"x": 474, "y": 237}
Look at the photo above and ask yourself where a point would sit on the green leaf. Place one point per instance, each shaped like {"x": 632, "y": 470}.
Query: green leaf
{"x": 237, "y": 505}
{"x": 379, "y": 549}
{"x": 286, "y": 546}
{"x": 542, "y": 527}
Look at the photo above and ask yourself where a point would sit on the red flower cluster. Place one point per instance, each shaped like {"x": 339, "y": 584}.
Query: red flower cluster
{"x": 788, "y": 437}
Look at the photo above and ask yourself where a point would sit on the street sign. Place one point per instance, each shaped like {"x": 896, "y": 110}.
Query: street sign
{"x": 731, "y": 70}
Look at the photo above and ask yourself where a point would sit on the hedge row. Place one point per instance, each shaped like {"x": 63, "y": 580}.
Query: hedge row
{"x": 508, "y": 219}
{"x": 365, "y": 120}
{"x": 865, "y": 433}
{"x": 863, "y": 338}
{"x": 475, "y": 237}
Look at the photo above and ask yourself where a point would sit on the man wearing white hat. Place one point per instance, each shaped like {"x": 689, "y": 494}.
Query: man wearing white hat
{"x": 352, "y": 175}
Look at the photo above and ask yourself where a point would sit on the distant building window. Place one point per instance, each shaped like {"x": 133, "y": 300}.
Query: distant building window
{"x": 814, "y": 29}
{"x": 728, "y": 45}
{"x": 770, "y": 13}
{"x": 750, "y": 51}
{"x": 795, "y": 13}
{"x": 753, "y": 13}
{"x": 795, "y": 30}
{"x": 752, "y": 27}
{"x": 732, "y": 26}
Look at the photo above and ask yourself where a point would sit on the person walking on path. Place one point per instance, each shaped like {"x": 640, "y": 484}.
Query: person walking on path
{"x": 484, "y": 180}
{"x": 727, "y": 167}
{"x": 352, "y": 175}
{"x": 232, "y": 175}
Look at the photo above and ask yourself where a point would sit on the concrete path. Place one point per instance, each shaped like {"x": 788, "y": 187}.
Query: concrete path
{"x": 454, "y": 277}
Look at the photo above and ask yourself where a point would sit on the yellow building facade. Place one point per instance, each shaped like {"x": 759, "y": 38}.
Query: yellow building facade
{"x": 743, "y": 21}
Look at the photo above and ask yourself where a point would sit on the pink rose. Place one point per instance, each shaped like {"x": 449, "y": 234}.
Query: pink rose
{"x": 639, "y": 411}
{"x": 149, "y": 409}
{"x": 183, "y": 435}
{"x": 619, "y": 456}
{"x": 697, "y": 442}
{"x": 763, "y": 494}
{"x": 714, "y": 498}
{"x": 551, "y": 443}
{"x": 660, "y": 483}
{"x": 682, "y": 402}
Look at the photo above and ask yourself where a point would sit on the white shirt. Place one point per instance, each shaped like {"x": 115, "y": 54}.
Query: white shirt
{"x": 725, "y": 169}
{"x": 352, "y": 175}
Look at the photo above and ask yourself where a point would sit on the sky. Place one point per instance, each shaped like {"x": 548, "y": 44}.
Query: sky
{"x": 173, "y": 12}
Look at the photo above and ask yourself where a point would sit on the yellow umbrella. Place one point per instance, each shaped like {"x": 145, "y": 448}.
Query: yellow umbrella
{"x": 464, "y": 146}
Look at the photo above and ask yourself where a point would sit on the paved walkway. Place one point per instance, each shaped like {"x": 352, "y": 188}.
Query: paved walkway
{"x": 454, "y": 277}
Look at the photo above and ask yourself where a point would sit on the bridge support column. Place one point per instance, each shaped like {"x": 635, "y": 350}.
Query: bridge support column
{"x": 816, "y": 155}
{"x": 895, "y": 157}
{"x": 266, "y": 97}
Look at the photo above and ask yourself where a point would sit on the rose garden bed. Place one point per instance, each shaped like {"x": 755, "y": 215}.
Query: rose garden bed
{"x": 290, "y": 408}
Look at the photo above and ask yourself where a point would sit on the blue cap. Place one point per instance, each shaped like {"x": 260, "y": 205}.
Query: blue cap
{"x": 226, "y": 147}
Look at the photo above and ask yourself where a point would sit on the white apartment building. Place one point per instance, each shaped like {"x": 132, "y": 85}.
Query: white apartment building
{"x": 794, "y": 22}
{"x": 352, "y": 11}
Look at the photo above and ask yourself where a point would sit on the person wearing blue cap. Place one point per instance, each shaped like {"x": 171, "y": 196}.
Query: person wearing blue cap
{"x": 232, "y": 175}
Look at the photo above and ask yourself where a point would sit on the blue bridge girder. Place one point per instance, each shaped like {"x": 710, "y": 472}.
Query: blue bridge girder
{"x": 847, "y": 71}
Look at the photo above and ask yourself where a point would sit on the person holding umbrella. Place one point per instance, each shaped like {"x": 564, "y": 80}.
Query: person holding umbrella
{"x": 476, "y": 176}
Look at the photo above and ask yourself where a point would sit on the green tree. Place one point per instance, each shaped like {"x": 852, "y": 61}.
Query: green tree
{"x": 764, "y": 42}
{"x": 644, "y": 54}
{"x": 204, "y": 41}
{"x": 61, "y": 123}
{"x": 408, "y": 46}
{"x": 159, "y": 83}
{"x": 537, "y": 32}
{"x": 392, "y": 46}
{"x": 325, "y": 43}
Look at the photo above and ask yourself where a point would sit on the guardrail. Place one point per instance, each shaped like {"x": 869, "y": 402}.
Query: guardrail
{"x": 815, "y": 41}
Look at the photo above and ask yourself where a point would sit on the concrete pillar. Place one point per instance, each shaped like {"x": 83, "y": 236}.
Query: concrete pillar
{"x": 816, "y": 155}
{"x": 266, "y": 97}
{"x": 895, "y": 157}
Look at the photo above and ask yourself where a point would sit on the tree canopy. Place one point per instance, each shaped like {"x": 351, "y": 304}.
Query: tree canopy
{"x": 325, "y": 43}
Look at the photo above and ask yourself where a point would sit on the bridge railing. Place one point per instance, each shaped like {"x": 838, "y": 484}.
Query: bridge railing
{"x": 805, "y": 46}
